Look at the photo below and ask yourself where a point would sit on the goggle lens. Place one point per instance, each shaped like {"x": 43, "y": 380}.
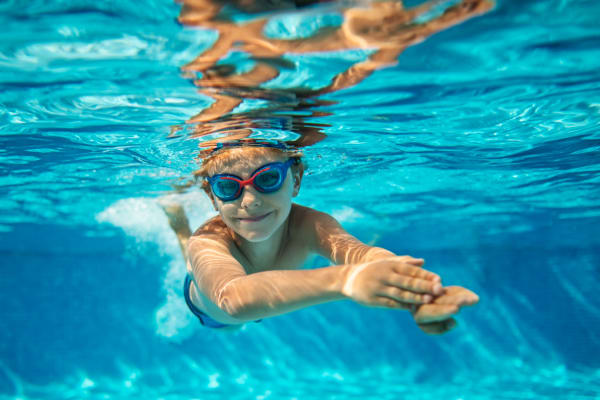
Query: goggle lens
{"x": 267, "y": 180}
{"x": 224, "y": 188}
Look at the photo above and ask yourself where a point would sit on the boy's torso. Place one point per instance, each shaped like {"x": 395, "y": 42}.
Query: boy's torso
{"x": 294, "y": 250}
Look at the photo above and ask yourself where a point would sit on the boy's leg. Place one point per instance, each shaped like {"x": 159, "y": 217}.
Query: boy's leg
{"x": 179, "y": 223}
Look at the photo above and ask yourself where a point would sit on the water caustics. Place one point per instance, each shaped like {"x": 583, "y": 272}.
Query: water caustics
{"x": 463, "y": 128}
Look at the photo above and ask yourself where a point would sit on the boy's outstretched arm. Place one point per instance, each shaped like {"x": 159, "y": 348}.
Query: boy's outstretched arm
{"x": 338, "y": 245}
{"x": 235, "y": 297}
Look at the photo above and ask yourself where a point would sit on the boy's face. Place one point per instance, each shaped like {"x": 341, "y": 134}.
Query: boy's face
{"x": 254, "y": 215}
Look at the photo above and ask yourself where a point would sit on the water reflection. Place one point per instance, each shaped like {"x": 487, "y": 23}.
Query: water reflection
{"x": 273, "y": 60}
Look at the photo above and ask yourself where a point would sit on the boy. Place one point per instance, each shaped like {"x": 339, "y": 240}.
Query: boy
{"x": 243, "y": 264}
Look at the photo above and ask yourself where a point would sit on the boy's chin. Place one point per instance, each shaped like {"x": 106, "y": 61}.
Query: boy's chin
{"x": 255, "y": 237}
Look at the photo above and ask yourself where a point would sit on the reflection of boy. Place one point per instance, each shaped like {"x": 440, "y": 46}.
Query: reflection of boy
{"x": 386, "y": 28}
{"x": 243, "y": 264}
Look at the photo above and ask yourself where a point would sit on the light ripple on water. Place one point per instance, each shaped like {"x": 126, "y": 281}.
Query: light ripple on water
{"x": 381, "y": 382}
{"x": 491, "y": 127}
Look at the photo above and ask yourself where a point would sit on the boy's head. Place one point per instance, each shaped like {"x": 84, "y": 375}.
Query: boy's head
{"x": 252, "y": 187}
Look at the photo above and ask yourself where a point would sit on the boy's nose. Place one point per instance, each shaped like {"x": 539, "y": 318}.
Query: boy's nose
{"x": 251, "y": 198}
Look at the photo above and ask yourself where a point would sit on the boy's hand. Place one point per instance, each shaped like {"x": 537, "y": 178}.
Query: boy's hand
{"x": 392, "y": 282}
{"x": 436, "y": 317}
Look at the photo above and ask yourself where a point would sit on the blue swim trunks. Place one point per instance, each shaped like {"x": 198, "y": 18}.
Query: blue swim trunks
{"x": 203, "y": 317}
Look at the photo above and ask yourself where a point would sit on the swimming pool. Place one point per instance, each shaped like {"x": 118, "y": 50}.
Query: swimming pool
{"x": 478, "y": 151}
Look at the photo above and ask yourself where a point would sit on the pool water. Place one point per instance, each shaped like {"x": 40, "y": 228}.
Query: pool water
{"x": 478, "y": 151}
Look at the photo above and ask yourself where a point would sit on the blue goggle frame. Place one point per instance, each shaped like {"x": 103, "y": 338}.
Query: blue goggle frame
{"x": 222, "y": 188}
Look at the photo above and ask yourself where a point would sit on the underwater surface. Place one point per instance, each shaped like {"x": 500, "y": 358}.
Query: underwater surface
{"x": 476, "y": 148}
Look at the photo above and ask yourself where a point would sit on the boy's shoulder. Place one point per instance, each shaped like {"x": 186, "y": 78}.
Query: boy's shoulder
{"x": 314, "y": 229}
{"x": 214, "y": 228}
{"x": 305, "y": 212}
{"x": 304, "y": 219}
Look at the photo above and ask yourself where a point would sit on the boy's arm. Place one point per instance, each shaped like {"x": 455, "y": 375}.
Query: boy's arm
{"x": 264, "y": 294}
{"x": 392, "y": 283}
{"x": 330, "y": 240}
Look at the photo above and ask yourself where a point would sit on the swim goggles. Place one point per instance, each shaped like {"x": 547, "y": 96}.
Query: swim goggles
{"x": 266, "y": 179}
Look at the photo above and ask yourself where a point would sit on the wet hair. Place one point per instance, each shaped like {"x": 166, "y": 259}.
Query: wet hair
{"x": 213, "y": 164}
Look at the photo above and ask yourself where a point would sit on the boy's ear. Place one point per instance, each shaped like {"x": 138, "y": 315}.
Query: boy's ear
{"x": 211, "y": 197}
{"x": 297, "y": 181}
{"x": 213, "y": 201}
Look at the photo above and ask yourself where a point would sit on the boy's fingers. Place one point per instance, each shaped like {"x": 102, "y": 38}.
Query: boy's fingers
{"x": 405, "y": 296}
{"x": 411, "y": 260}
{"x": 415, "y": 284}
{"x": 434, "y": 312}
{"x": 458, "y": 296}
{"x": 437, "y": 328}
{"x": 416, "y": 261}
{"x": 416, "y": 272}
{"x": 392, "y": 303}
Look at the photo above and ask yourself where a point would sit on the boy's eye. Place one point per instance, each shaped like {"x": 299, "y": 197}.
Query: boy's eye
{"x": 227, "y": 186}
{"x": 268, "y": 178}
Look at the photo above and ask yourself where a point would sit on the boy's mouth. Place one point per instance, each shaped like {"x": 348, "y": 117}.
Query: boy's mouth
{"x": 255, "y": 219}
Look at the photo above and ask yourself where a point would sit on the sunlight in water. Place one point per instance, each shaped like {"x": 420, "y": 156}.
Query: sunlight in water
{"x": 463, "y": 133}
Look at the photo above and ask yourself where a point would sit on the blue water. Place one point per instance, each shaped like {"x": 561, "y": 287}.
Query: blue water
{"x": 478, "y": 151}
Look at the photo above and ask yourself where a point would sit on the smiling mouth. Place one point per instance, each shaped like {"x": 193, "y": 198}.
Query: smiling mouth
{"x": 255, "y": 219}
